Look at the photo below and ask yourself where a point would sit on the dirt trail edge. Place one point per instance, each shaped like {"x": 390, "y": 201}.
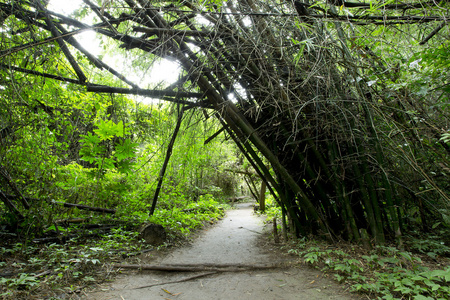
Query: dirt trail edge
{"x": 236, "y": 239}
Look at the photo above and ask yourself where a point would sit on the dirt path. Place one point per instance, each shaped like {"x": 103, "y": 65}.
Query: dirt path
{"x": 235, "y": 239}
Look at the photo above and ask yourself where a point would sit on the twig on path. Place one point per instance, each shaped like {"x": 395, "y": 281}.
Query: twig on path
{"x": 175, "y": 281}
{"x": 249, "y": 230}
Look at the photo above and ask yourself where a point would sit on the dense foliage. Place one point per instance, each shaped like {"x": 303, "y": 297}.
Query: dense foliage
{"x": 60, "y": 144}
{"x": 382, "y": 273}
{"x": 341, "y": 108}
{"x": 351, "y": 112}
{"x": 74, "y": 147}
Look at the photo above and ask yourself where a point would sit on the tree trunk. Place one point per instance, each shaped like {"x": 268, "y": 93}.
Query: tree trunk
{"x": 262, "y": 197}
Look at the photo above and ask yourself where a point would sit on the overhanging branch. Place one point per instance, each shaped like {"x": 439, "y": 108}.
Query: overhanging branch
{"x": 45, "y": 75}
{"x": 214, "y": 136}
{"x": 55, "y": 32}
{"x": 171, "y": 96}
{"x": 435, "y": 31}
{"x": 402, "y": 6}
{"x": 408, "y": 19}
{"x": 172, "y": 32}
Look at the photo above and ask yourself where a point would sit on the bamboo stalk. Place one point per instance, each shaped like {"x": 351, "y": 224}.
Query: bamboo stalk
{"x": 347, "y": 208}
{"x": 366, "y": 202}
{"x": 166, "y": 161}
{"x": 371, "y": 188}
{"x": 264, "y": 173}
{"x": 61, "y": 43}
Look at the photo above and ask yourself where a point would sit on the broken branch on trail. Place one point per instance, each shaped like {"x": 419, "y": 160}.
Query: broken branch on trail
{"x": 201, "y": 267}
{"x": 176, "y": 281}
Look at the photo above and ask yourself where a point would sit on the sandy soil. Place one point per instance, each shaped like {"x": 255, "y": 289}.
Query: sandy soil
{"x": 238, "y": 238}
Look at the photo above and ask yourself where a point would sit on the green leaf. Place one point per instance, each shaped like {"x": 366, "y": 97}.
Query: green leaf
{"x": 89, "y": 138}
{"x": 421, "y": 297}
{"x": 108, "y": 130}
{"x": 125, "y": 149}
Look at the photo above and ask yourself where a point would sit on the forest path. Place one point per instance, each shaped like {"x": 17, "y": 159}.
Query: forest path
{"x": 235, "y": 239}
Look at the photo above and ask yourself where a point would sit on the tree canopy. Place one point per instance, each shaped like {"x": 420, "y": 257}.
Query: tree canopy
{"x": 342, "y": 108}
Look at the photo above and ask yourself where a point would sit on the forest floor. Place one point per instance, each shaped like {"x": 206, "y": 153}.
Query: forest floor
{"x": 239, "y": 238}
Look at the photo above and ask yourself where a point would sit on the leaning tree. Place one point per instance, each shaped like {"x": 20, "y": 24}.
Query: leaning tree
{"x": 340, "y": 107}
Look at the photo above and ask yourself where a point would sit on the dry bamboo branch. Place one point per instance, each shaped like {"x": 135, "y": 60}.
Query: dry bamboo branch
{"x": 388, "y": 6}
{"x": 176, "y": 281}
{"x": 214, "y": 136}
{"x": 97, "y": 62}
{"x": 411, "y": 19}
{"x": 162, "y": 94}
{"x": 45, "y": 75}
{"x": 101, "y": 15}
{"x": 200, "y": 267}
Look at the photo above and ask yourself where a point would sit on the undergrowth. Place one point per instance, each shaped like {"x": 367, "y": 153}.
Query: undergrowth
{"x": 423, "y": 273}
{"x": 382, "y": 273}
{"x": 58, "y": 270}
{"x": 181, "y": 220}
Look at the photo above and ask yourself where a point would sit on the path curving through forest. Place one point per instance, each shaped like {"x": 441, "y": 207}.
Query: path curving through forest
{"x": 236, "y": 239}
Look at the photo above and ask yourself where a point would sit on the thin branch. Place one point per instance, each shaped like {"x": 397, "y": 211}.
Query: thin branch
{"x": 39, "y": 43}
{"x": 402, "y": 6}
{"x": 172, "y": 32}
{"x": 97, "y": 62}
{"x": 176, "y": 281}
{"x": 201, "y": 267}
{"x": 214, "y": 136}
{"x": 46, "y": 75}
{"x": 101, "y": 15}
{"x": 434, "y": 32}
{"x": 243, "y": 172}
{"x": 411, "y": 19}
{"x": 62, "y": 45}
